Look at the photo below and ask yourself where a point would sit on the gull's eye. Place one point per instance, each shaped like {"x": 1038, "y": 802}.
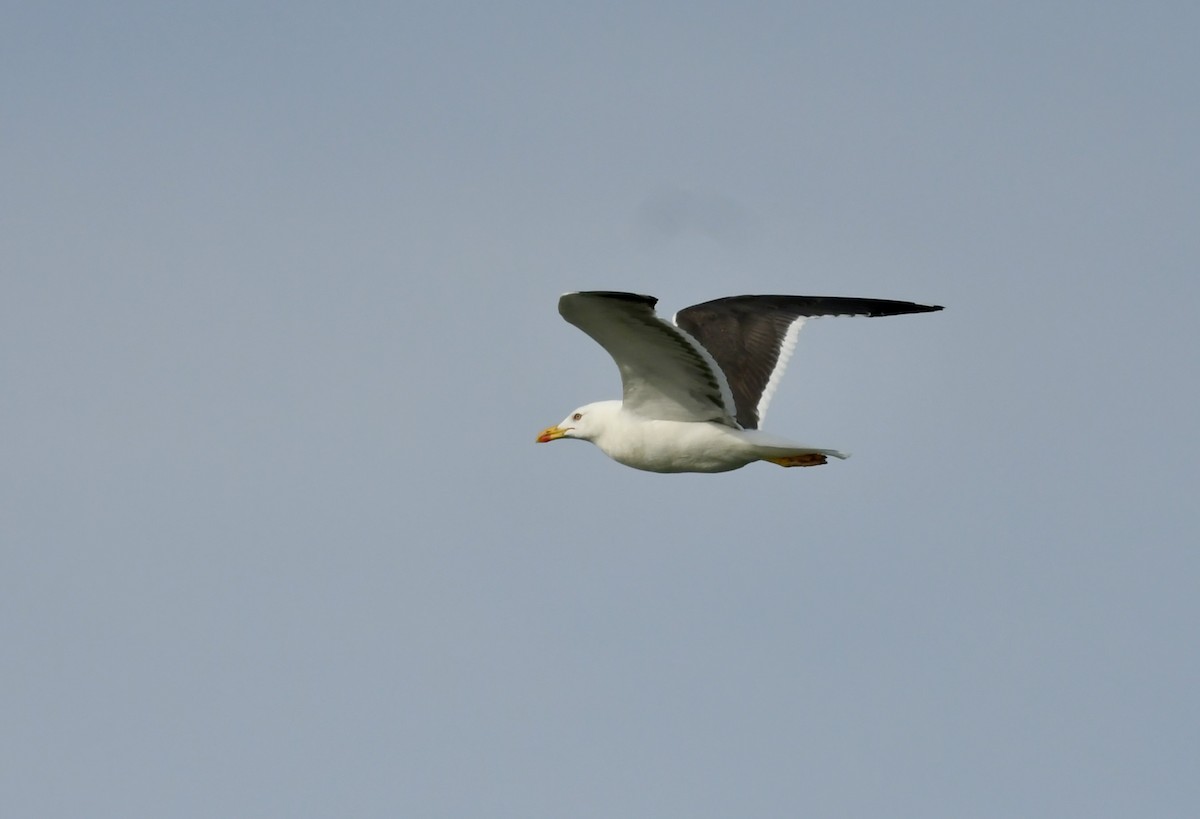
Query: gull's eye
{"x": 577, "y": 416}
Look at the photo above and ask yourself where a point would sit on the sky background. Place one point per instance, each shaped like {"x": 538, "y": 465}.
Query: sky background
{"x": 278, "y": 327}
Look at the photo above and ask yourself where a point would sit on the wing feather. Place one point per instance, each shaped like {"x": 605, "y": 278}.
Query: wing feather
{"x": 665, "y": 373}
{"x": 751, "y": 338}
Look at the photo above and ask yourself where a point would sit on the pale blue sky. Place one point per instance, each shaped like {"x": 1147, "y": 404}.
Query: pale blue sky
{"x": 279, "y": 327}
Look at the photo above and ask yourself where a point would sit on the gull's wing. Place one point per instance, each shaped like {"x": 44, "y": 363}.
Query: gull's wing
{"x": 665, "y": 374}
{"x": 751, "y": 338}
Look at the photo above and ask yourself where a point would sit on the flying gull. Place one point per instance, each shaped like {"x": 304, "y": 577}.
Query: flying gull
{"x": 695, "y": 389}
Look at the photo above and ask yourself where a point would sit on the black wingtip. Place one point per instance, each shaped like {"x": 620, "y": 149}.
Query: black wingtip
{"x": 874, "y": 307}
{"x": 812, "y": 306}
{"x": 900, "y": 308}
{"x": 637, "y": 298}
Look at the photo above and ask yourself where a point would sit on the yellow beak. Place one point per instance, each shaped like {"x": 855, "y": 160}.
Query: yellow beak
{"x": 550, "y": 434}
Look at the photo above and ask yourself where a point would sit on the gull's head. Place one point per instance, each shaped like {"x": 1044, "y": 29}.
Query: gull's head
{"x": 584, "y": 423}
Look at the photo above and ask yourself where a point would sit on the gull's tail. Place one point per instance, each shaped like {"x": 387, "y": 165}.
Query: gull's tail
{"x": 787, "y": 453}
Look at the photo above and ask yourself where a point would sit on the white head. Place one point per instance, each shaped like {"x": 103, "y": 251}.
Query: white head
{"x": 585, "y": 423}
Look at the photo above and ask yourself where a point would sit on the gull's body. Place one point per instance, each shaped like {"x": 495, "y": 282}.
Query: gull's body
{"x": 696, "y": 389}
{"x": 659, "y": 445}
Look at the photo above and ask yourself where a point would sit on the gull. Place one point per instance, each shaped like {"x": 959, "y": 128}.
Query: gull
{"x": 696, "y": 388}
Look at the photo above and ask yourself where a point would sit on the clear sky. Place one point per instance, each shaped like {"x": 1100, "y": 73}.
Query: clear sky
{"x": 278, "y": 328}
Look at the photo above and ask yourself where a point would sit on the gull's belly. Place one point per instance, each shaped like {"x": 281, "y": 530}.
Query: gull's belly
{"x": 680, "y": 446}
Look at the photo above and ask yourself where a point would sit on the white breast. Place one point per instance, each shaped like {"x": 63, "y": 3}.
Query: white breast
{"x": 674, "y": 446}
